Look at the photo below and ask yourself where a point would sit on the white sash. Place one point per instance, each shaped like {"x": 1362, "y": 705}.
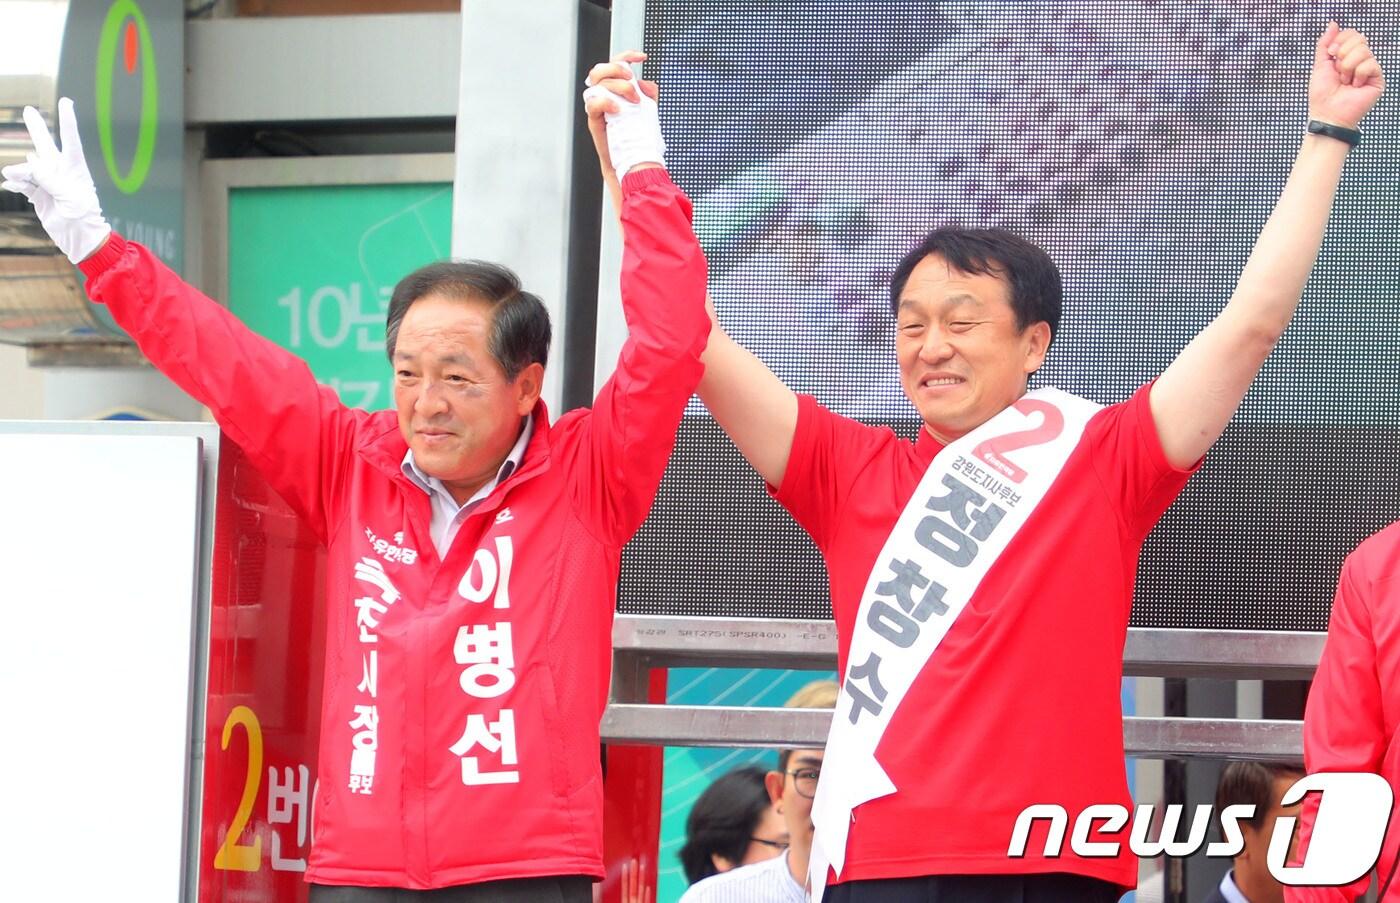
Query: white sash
{"x": 970, "y": 503}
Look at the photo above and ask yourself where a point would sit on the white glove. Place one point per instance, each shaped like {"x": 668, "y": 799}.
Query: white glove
{"x": 634, "y": 132}
{"x": 59, "y": 185}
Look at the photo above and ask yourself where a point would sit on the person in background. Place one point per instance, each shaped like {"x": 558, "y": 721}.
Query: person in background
{"x": 733, "y": 823}
{"x": 791, "y": 787}
{"x": 1261, "y": 785}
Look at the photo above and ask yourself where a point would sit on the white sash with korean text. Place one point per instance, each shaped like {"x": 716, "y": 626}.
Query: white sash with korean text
{"x": 973, "y": 499}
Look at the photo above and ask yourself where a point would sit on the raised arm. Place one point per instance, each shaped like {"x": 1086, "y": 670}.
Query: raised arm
{"x": 264, "y": 397}
{"x": 632, "y": 431}
{"x": 749, "y": 403}
{"x": 746, "y": 399}
{"x": 1197, "y": 395}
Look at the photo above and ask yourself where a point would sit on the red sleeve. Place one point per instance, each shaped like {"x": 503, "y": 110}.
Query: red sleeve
{"x": 1343, "y": 728}
{"x": 264, "y": 397}
{"x": 828, "y": 453}
{"x": 624, "y": 446}
{"x": 1131, "y": 464}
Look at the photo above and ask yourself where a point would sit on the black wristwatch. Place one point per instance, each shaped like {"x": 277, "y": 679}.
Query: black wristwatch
{"x": 1352, "y": 137}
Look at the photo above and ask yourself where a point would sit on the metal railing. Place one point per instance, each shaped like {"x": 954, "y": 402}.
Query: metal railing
{"x": 644, "y": 642}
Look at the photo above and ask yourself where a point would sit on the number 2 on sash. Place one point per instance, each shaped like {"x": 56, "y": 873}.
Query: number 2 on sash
{"x": 993, "y": 451}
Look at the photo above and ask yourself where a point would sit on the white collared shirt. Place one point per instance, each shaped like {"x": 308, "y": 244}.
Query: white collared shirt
{"x": 1229, "y": 891}
{"x": 769, "y": 881}
{"x": 447, "y": 514}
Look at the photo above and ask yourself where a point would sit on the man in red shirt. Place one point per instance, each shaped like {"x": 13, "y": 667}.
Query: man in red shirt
{"x": 981, "y": 576}
{"x": 472, "y": 545}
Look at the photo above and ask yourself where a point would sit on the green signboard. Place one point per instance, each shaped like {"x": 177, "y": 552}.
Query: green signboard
{"x": 313, "y": 267}
{"x": 123, "y": 65}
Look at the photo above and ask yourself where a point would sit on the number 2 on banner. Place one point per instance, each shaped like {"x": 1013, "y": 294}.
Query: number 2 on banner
{"x": 232, "y": 855}
{"x": 993, "y": 451}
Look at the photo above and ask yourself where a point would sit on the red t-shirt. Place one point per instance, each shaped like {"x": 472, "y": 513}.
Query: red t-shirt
{"x": 1020, "y": 703}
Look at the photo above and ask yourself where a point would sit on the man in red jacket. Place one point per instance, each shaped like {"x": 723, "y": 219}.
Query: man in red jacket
{"x": 982, "y": 576}
{"x": 1353, "y": 710}
{"x": 472, "y": 546}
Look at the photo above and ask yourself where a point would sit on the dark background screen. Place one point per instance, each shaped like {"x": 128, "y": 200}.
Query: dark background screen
{"x": 1143, "y": 144}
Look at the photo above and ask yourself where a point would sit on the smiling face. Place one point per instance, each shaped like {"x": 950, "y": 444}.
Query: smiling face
{"x": 457, "y": 409}
{"x": 962, "y": 357}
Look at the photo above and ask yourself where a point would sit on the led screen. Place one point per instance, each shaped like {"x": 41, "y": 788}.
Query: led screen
{"x": 1143, "y": 145}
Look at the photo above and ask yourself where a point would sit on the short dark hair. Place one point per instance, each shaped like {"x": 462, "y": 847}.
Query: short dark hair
{"x": 1244, "y": 783}
{"x": 1037, "y": 292}
{"x": 520, "y": 330}
{"x": 723, "y": 820}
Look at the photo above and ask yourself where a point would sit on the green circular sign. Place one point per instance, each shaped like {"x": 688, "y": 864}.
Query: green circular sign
{"x": 132, "y": 180}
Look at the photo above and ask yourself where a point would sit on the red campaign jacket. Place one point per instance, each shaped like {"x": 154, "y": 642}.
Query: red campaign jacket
{"x": 1353, "y": 709}
{"x": 459, "y": 734}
